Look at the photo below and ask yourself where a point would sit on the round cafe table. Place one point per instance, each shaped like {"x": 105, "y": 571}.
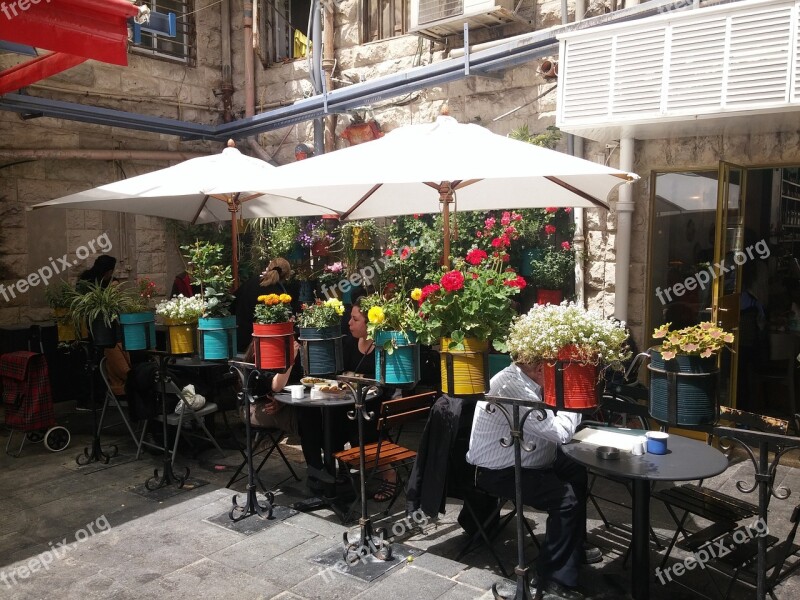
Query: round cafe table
{"x": 686, "y": 460}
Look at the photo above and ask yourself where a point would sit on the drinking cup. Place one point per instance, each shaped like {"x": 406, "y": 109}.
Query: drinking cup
{"x": 297, "y": 391}
{"x": 657, "y": 442}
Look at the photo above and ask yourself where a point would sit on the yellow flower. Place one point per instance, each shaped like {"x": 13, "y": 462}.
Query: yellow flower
{"x": 416, "y": 294}
{"x": 262, "y": 298}
{"x": 285, "y": 298}
{"x": 272, "y": 300}
{"x": 376, "y": 315}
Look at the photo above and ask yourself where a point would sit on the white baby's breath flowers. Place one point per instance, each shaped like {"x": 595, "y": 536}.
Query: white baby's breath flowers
{"x": 545, "y": 330}
{"x": 181, "y": 309}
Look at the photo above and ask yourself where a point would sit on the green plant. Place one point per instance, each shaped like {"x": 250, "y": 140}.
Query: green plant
{"x": 282, "y": 237}
{"x": 321, "y": 314}
{"x": 393, "y": 313}
{"x": 141, "y": 301}
{"x": 547, "y": 139}
{"x": 94, "y": 301}
{"x": 704, "y": 339}
{"x": 215, "y": 281}
{"x": 181, "y": 310}
{"x": 554, "y": 269}
{"x": 273, "y": 308}
{"x": 471, "y": 300}
{"x": 58, "y": 295}
{"x": 541, "y": 333}
{"x": 331, "y": 274}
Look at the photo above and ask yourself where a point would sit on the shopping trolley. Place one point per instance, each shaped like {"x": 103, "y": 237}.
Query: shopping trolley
{"x": 28, "y": 402}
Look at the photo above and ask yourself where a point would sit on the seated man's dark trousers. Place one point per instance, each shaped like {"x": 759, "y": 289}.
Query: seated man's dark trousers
{"x": 560, "y": 490}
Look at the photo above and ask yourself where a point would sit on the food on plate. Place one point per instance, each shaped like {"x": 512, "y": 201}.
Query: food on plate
{"x": 332, "y": 388}
{"x": 309, "y": 381}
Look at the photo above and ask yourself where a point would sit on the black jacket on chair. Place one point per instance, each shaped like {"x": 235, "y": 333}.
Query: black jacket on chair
{"x": 428, "y": 481}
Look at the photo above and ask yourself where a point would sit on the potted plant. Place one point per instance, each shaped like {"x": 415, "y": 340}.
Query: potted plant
{"x": 329, "y": 278}
{"x": 470, "y": 305}
{"x": 359, "y": 235}
{"x": 391, "y": 324}
{"x": 217, "y": 327}
{"x": 99, "y": 306}
{"x": 180, "y": 315}
{"x": 273, "y": 332}
{"x": 282, "y": 241}
{"x": 138, "y": 323}
{"x": 321, "y": 336}
{"x": 684, "y": 373}
{"x": 59, "y": 296}
{"x": 575, "y": 344}
{"x": 552, "y": 271}
{"x": 316, "y": 237}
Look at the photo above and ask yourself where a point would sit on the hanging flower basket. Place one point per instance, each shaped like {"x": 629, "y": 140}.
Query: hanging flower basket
{"x": 362, "y": 239}
{"x": 465, "y": 372}
{"x": 320, "y": 248}
{"x": 138, "y": 330}
{"x": 569, "y": 384}
{"x": 272, "y": 343}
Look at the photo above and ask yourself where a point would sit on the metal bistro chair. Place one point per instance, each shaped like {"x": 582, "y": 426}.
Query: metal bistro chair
{"x": 177, "y": 420}
{"x": 111, "y": 400}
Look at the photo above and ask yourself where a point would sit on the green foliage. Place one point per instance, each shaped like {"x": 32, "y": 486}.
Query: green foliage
{"x": 321, "y": 314}
{"x": 393, "y": 313}
{"x": 93, "y": 301}
{"x": 554, "y": 270}
{"x": 215, "y": 280}
{"x": 273, "y": 308}
{"x": 58, "y": 294}
{"x": 547, "y": 139}
{"x": 282, "y": 237}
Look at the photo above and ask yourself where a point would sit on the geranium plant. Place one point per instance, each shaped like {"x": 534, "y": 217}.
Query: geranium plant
{"x": 142, "y": 298}
{"x": 331, "y": 274}
{"x": 273, "y": 308}
{"x": 704, "y": 339}
{"x": 321, "y": 313}
{"x": 181, "y": 310}
{"x": 471, "y": 300}
{"x": 544, "y": 331}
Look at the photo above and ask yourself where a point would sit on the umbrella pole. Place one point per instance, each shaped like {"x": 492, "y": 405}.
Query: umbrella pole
{"x": 233, "y": 208}
{"x": 446, "y": 197}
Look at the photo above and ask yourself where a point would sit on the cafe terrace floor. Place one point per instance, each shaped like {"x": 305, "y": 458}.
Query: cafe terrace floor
{"x": 181, "y": 546}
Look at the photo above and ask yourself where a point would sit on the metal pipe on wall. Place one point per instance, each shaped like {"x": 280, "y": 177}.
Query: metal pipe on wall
{"x": 625, "y": 208}
{"x": 50, "y": 154}
{"x": 249, "y": 68}
{"x": 227, "y": 61}
{"x": 328, "y": 62}
{"x": 579, "y": 237}
{"x": 316, "y": 66}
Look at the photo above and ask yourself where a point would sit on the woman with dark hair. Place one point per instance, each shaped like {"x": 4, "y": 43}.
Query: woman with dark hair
{"x": 102, "y": 271}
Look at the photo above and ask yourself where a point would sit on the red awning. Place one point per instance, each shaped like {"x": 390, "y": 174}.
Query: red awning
{"x": 82, "y": 29}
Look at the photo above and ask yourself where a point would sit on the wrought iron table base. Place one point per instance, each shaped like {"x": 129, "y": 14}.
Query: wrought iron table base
{"x": 94, "y": 453}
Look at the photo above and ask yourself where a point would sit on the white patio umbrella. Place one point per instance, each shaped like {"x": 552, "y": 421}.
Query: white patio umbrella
{"x": 201, "y": 190}
{"x": 422, "y": 168}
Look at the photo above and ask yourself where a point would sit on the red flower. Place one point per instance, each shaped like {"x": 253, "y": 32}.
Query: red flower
{"x": 452, "y": 281}
{"x": 549, "y": 229}
{"x": 505, "y": 239}
{"x": 506, "y": 257}
{"x": 404, "y": 253}
{"x": 476, "y": 256}
{"x": 497, "y": 243}
{"x": 550, "y": 209}
{"x": 417, "y": 215}
{"x": 510, "y": 230}
{"x": 565, "y": 245}
{"x": 518, "y": 282}
{"x": 478, "y": 234}
{"x": 474, "y": 275}
{"x": 490, "y": 222}
{"x": 568, "y": 210}
{"x": 389, "y": 252}
{"x": 516, "y": 217}
{"x": 506, "y": 220}
{"x": 428, "y": 290}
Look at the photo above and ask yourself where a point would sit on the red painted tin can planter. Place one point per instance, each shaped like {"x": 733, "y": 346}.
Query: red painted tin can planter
{"x": 272, "y": 344}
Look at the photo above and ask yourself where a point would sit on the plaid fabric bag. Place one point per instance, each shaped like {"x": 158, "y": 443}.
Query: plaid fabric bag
{"x": 27, "y": 397}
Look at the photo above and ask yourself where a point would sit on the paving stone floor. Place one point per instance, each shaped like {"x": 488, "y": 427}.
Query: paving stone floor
{"x": 120, "y": 544}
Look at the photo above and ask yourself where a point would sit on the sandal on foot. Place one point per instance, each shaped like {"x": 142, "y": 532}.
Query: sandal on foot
{"x": 386, "y": 491}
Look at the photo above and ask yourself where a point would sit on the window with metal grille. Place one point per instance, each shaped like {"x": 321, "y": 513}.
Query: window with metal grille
{"x": 180, "y": 47}
{"x": 382, "y": 19}
{"x": 282, "y": 27}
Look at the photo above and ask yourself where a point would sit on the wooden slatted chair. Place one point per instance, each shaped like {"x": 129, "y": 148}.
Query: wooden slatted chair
{"x": 386, "y": 454}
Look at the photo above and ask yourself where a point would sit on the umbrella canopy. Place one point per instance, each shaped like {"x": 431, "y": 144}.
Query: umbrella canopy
{"x": 200, "y": 190}
{"x": 422, "y": 168}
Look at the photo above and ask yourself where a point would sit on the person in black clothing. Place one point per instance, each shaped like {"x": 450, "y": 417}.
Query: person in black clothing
{"x": 102, "y": 271}
{"x": 274, "y": 280}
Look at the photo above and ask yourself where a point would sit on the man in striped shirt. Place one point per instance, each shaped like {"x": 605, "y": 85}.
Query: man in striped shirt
{"x": 550, "y": 481}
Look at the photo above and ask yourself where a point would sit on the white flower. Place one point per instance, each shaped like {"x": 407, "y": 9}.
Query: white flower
{"x": 180, "y": 308}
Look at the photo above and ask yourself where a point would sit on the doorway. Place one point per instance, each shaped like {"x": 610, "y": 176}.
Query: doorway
{"x": 722, "y": 247}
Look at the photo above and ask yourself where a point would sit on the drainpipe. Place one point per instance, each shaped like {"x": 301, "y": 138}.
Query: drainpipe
{"x": 316, "y": 75}
{"x": 625, "y": 208}
{"x": 579, "y": 238}
{"x": 328, "y": 62}
{"x": 249, "y": 71}
{"x": 227, "y": 64}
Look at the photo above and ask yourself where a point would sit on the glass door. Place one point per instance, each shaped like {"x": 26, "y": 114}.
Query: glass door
{"x": 727, "y": 280}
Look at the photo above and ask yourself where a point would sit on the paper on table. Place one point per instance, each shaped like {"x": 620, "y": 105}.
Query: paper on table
{"x": 623, "y": 439}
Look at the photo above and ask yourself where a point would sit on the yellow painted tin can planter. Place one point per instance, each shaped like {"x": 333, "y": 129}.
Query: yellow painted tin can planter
{"x": 465, "y": 372}
{"x": 180, "y": 336}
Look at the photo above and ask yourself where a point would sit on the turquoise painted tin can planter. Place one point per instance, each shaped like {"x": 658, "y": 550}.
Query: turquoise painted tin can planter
{"x": 683, "y": 390}
{"x": 138, "y": 330}
{"x": 401, "y": 367}
{"x": 321, "y": 352}
{"x": 217, "y": 337}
